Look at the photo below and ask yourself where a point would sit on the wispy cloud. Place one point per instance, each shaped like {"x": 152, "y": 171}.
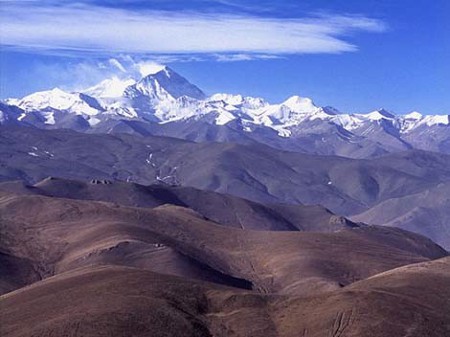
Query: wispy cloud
{"x": 77, "y": 75}
{"x": 243, "y": 57}
{"x": 84, "y": 28}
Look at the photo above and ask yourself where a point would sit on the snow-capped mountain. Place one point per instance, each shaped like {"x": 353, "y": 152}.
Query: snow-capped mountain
{"x": 58, "y": 99}
{"x": 109, "y": 89}
{"x": 166, "y": 103}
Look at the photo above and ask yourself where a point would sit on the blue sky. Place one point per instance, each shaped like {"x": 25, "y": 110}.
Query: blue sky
{"x": 354, "y": 55}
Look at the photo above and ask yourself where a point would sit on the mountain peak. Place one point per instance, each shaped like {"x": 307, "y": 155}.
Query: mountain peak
{"x": 59, "y": 99}
{"x": 110, "y": 88}
{"x": 58, "y": 91}
{"x": 386, "y": 113}
{"x": 48, "y": 98}
{"x": 414, "y": 115}
{"x": 164, "y": 83}
{"x": 380, "y": 114}
{"x": 161, "y": 72}
{"x": 300, "y": 104}
{"x": 153, "y": 68}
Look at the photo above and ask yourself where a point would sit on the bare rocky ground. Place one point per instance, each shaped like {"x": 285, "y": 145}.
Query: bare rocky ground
{"x": 82, "y": 266}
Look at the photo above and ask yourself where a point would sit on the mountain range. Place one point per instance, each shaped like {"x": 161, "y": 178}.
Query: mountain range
{"x": 346, "y": 186}
{"x": 165, "y": 103}
{"x": 145, "y": 207}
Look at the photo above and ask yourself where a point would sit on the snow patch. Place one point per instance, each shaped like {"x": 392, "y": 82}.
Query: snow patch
{"x": 224, "y": 118}
{"x": 49, "y": 117}
{"x": 93, "y": 121}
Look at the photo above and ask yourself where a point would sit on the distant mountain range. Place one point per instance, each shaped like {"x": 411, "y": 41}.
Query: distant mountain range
{"x": 165, "y": 103}
{"x": 408, "y": 190}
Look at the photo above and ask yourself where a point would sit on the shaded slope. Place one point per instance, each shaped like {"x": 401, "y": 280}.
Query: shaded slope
{"x": 407, "y": 301}
{"x": 426, "y": 212}
{"x": 58, "y": 235}
{"x": 113, "y": 301}
{"x": 119, "y": 301}
{"x": 255, "y": 172}
{"x": 221, "y": 208}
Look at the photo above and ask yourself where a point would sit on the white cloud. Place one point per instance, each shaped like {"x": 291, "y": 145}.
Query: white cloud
{"x": 147, "y": 68}
{"x": 73, "y": 75}
{"x": 76, "y": 76}
{"x": 115, "y": 63}
{"x": 243, "y": 57}
{"x": 100, "y": 30}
